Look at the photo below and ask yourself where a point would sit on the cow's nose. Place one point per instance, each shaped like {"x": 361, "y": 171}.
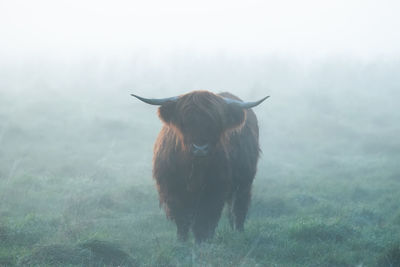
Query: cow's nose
{"x": 199, "y": 151}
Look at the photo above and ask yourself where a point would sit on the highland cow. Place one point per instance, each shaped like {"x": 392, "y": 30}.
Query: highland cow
{"x": 205, "y": 156}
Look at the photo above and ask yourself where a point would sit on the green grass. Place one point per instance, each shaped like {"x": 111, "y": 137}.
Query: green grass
{"x": 85, "y": 197}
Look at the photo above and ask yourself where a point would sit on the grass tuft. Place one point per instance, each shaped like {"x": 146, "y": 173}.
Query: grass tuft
{"x": 390, "y": 257}
{"x": 271, "y": 207}
{"x": 56, "y": 254}
{"x": 319, "y": 231}
{"x": 108, "y": 253}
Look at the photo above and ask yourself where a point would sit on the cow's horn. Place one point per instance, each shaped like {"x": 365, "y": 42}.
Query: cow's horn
{"x": 245, "y": 105}
{"x": 156, "y": 101}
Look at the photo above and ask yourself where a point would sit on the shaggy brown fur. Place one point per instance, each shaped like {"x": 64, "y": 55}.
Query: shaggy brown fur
{"x": 193, "y": 190}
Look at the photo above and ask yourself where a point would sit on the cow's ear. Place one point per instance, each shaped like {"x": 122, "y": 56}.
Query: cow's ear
{"x": 235, "y": 116}
{"x": 167, "y": 112}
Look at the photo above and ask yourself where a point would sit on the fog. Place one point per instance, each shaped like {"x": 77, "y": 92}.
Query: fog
{"x": 340, "y": 106}
{"x": 71, "y": 133}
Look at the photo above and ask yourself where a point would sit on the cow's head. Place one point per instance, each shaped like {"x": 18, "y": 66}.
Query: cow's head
{"x": 201, "y": 118}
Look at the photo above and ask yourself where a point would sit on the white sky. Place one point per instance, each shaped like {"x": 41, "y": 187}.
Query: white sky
{"x": 306, "y": 28}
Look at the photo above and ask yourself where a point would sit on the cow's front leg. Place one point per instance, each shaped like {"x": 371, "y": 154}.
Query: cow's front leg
{"x": 206, "y": 215}
{"x": 182, "y": 227}
{"x": 179, "y": 210}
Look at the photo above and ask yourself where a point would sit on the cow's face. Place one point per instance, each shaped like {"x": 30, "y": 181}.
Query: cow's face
{"x": 201, "y": 119}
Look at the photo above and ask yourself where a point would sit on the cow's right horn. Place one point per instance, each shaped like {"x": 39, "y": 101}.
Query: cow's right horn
{"x": 156, "y": 101}
{"x": 244, "y": 105}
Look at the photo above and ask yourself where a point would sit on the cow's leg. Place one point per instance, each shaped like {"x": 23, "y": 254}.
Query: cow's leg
{"x": 241, "y": 204}
{"x": 178, "y": 210}
{"x": 183, "y": 219}
{"x": 207, "y": 215}
{"x": 231, "y": 215}
{"x": 182, "y": 227}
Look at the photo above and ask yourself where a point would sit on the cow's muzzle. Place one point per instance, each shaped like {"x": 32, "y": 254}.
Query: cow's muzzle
{"x": 199, "y": 151}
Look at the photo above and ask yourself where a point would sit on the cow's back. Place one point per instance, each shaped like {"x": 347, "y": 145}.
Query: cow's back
{"x": 243, "y": 147}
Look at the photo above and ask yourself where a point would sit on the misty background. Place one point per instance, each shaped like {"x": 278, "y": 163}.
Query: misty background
{"x": 67, "y": 70}
{"x": 334, "y": 113}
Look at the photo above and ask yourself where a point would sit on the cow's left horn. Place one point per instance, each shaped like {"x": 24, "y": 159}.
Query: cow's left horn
{"x": 156, "y": 101}
{"x": 245, "y": 105}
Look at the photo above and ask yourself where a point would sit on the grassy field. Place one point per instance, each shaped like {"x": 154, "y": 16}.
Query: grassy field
{"x": 76, "y": 188}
